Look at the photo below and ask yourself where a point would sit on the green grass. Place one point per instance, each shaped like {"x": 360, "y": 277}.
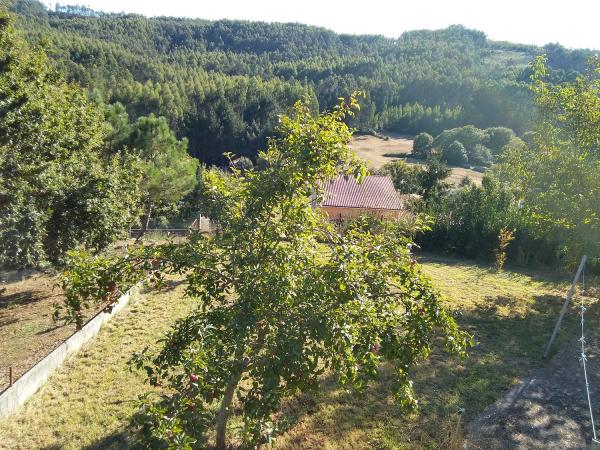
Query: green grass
{"x": 510, "y": 315}
{"x": 90, "y": 401}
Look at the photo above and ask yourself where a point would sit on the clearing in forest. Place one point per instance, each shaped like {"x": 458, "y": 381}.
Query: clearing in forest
{"x": 378, "y": 152}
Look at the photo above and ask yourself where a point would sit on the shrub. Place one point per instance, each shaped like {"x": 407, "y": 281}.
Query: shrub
{"x": 481, "y": 156}
{"x": 455, "y": 154}
{"x": 504, "y": 238}
{"x": 406, "y": 177}
{"x": 422, "y": 145}
{"x": 469, "y": 136}
{"x": 498, "y": 138}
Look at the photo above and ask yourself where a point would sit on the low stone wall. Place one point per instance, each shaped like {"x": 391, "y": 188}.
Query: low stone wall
{"x": 15, "y": 395}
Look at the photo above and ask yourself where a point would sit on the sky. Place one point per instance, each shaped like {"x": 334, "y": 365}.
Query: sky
{"x": 572, "y": 23}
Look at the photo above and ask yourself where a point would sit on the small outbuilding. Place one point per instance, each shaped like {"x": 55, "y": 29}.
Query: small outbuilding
{"x": 345, "y": 199}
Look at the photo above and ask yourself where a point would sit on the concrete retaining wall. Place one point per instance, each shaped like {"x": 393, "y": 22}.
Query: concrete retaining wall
{"x": 34, "y": 378}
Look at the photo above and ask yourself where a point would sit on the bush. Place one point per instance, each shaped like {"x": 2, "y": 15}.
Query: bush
{"x": 481, "y": 156}
{"x": 498, "y": 138}
{"x": 425, "y": 181}
{"x": 406, "y": 177}
{"x": 469, "y": 136}
{"x": 242, "y": 163}
{"x": 455, "y": 154}
{"x": 422, "y": 145}
{"x": 468, "y": 220}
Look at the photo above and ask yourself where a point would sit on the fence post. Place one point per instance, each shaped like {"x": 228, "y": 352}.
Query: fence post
{"x": 565, "y": 305}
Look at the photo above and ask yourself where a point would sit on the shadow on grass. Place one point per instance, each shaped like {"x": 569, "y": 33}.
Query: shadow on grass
{"x": 396, "y": 155}
{"x": 169, "y": 285}
{"x": 117, "y": 440}
{"x": 507, "y": 348}
{"x": 21, "y": 298}
{"x": 550, "y": 408}
{"x": 546, "y": 274}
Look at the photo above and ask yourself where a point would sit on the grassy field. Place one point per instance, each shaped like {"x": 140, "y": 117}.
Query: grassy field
{"x": 89, "y": 402}
{"x": 378, "y": 152}
{"x": 28, "y": 331}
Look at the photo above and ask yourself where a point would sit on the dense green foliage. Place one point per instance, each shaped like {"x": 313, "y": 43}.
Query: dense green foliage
{"x": 455, "y": 154}
{"x": 556, "y": 176}
{"x": 422, "y": 145}
{"x": 467, "y": 145}
{"x": 169, "y": 171}
{"x": 427, "y": 182}
{"x": 283, "y": 296}
{"x": 221, "y": 84}
{"x": 59, "y": 188}
{"x": 545, "y": 189}
{"x": 467, "y": 220}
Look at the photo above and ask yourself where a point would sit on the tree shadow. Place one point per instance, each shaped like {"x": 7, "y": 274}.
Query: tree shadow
{"x": 49, "y": 329}
{"x": 21, "y": 298}
{"x": 5, "y": 322}
{"x": 397, "y": 155}
{"x": 506, "y": 349}
{"x": 543, "y": 274}
{"x": 117, "y": 440}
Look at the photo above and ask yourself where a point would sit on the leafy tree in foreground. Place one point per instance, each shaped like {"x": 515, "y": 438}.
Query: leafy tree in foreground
{"x": 59, "y": 188}
{"x": 283, "y": 298}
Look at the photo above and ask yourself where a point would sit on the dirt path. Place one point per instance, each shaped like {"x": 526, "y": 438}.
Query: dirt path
{"x": 547, "y": 410}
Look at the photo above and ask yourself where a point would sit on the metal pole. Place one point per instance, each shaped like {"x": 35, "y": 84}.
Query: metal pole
{"x": 565, "y": 306}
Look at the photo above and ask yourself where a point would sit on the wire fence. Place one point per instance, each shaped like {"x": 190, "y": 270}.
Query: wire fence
{"x": 583, "y": 357}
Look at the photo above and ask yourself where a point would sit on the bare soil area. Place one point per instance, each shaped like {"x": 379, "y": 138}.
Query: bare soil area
{"x": 378, "y": 152}
{"x": 27, "y": 329}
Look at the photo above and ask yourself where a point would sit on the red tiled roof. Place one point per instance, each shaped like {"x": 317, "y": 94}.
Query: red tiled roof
{"x": 375, "y": 192}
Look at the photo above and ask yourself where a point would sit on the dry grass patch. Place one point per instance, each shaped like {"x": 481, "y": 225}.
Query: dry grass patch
{"x": 378, "y": 152}
{"x": 89, "y": 402}
{"x": 27, "y": 330}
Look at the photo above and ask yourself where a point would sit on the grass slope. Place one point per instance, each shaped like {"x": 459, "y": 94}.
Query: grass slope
{"x": 89, "y": 402}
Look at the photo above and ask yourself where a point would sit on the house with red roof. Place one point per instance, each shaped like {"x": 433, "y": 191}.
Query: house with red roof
{"x": 345, "y": 199}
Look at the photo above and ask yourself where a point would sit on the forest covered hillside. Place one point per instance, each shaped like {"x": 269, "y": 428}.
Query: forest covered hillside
{"x": 222, "y": 83}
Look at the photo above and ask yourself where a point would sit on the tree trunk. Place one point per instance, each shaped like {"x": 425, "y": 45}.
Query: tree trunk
{"x": 223, "y": 415}
{"x": 145, "y": 223}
